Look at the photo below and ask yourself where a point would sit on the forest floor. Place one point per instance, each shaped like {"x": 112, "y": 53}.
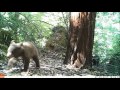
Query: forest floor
{"x": 51, "y": 64}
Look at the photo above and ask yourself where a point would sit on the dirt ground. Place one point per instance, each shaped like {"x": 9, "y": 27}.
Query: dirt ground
{"x": 51, "y": 64}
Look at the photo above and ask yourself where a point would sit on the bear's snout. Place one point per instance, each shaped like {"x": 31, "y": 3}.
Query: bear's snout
{"x": 9, "y": 55}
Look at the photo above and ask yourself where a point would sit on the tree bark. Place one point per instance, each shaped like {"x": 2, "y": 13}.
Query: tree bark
{"x": 80, "y": 39}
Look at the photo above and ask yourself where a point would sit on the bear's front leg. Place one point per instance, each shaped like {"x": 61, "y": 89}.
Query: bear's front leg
{"x": 26, "y": 62}
{"x": 36, "y": 59}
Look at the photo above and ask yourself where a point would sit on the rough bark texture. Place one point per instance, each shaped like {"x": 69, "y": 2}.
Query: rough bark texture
{"x": 80, "y": 42}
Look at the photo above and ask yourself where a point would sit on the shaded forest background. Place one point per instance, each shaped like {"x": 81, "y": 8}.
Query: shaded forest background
{"x": 48, "y": 30}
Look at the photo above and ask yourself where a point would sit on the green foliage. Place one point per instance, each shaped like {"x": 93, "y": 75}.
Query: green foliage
{"x": 25, "y": 26}
{"x": 5, "y": 37}
{"x": 107, "y": 40}
{"x": 105, "y": 31}
{"x": 115, "y": 57}
{"x": 3, "y": 50}
{"x": 3, "y": 20}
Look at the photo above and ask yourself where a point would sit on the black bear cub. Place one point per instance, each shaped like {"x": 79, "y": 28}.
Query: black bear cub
{"x": 26, "y": 50}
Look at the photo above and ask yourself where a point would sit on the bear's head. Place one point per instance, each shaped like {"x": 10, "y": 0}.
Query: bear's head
{"x": 14, "y": 50}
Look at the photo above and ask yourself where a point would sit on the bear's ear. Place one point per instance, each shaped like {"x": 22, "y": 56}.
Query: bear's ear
{"x": 21, "y": 44}
{"x": 12, "y": 42}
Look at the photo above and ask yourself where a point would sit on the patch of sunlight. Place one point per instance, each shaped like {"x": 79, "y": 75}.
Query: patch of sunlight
{"x": 21, "y": 17}
{"x": 34, "y": 13}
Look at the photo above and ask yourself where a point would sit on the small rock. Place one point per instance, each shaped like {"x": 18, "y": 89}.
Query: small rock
{"x": 25, "y": 74}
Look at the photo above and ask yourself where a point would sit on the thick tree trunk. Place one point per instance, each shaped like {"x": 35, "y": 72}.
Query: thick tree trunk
{"x": 80, "y": 42}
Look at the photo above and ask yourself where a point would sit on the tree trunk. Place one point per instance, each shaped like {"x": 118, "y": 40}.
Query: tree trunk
{"x": 80, "y": 42}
